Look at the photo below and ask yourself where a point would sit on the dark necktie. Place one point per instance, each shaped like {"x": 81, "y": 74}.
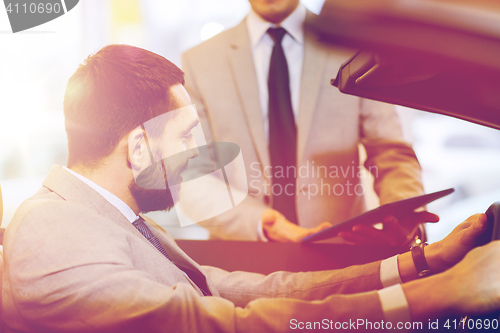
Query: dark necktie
{"x": 282, "y": 131}
{"x": 195, "y": 277}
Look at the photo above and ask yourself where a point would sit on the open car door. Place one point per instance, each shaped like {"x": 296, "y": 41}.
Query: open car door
{"x": 441, "y": 56}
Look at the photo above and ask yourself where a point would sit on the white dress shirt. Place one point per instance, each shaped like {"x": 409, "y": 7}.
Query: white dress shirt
{"x": 262, "y": 46}
{"x": 110, "y": 197}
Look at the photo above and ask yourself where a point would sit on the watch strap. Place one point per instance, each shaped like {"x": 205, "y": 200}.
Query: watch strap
{"x": 418, "y": 256}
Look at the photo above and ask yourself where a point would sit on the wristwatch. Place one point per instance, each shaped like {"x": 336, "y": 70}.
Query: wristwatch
{"x": 418, "y": 256}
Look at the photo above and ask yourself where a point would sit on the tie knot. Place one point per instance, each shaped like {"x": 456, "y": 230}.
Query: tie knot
{"x": 276, "y": 34}
{"x": 142, "y": 227}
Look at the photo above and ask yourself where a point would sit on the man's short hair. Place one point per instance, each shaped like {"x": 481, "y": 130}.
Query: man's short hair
{"x": 113, "y": 92}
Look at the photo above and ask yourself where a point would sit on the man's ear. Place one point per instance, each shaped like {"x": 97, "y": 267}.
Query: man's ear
{"x": 138, "y": 153}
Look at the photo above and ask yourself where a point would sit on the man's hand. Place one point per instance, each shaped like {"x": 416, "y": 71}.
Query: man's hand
{"x": 393, "y": 233}
{"x": 477, "y": 277}
{"x": 447, "y": 252}
{"x": 470, "y": 287}
{"x": 277, "y": 228}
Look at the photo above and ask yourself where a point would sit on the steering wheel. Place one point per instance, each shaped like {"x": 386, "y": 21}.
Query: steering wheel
{"x": 477, "y": 323}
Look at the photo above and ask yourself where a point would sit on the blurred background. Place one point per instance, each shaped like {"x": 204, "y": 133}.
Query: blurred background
{"x": 36, "y": 64}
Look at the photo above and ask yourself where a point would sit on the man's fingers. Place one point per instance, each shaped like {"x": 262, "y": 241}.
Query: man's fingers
{"x": 304, "y": 232}
{"x": 282, "y": 230}
{"x": 322, "y": 226}
{"x": 364, "y": 234}
{"x": 356, "y": 238}
{"x": 288, "y": 231}
{"x": 422, "y": 217}
{"x": 389, "y": 236}
{"x": 480, "y": 292}
{"x": 477, "y": 221}
{"x": 391, "y": 223}
{"x": 478, "y": 224}
{"x": 269, "y": 216}
{"x": 428, "y": 217}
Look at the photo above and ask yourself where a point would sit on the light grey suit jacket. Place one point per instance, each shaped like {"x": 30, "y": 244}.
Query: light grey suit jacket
{"x": 74, "y": 263}
{"x": 221, "y": 80}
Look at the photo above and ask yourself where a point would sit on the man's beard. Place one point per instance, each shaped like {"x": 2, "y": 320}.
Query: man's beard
{"x": 151, "y": 191}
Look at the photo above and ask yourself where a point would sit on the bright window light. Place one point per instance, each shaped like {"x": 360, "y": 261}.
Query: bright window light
{"x": 210, "y": 29}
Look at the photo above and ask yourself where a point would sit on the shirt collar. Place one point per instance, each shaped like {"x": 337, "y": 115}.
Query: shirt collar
{"x": 110, "y": 197}
{"x": 293, "y": 24}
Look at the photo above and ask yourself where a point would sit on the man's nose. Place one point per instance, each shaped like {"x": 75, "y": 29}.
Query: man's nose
{"x": 193, "y": 150}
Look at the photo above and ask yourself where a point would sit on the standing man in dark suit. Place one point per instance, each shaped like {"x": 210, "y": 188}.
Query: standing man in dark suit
{"x": 265, "y": 85}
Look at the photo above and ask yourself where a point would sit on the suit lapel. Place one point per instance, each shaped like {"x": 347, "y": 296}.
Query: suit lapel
{"x": 315, "y": 57}
{"x": 245, "y": 80}
{"x": 73, "y": 189}
{"x": 179, "y": 257}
